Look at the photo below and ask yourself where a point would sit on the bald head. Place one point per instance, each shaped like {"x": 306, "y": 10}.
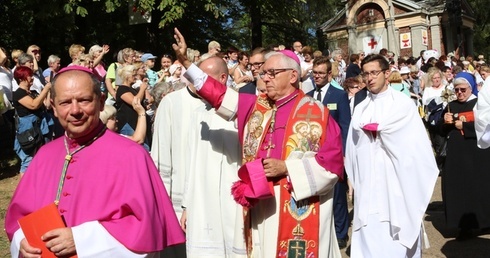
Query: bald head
{"x": 215, "y": 67}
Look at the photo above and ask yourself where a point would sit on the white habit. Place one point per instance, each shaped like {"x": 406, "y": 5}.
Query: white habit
{"x": 170, "y": 141}
{"x": 213, "y": 161}
{"x": 482, "y": 116}
{"x": 393, "y": 175}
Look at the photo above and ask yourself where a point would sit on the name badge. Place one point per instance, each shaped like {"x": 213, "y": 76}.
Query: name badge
{"x": 332, "y": 106}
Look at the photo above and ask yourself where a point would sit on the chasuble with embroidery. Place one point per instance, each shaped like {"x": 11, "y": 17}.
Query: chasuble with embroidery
{"x": 297, "y": 221}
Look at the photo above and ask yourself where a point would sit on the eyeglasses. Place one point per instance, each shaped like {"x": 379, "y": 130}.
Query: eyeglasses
{"x": 374, "y": 74}
{"x": 257, "y": 65}
{"x": 35, "y": 51}
{"x": 273, "y": 72}
{"x": 321, "y": 74}
{"x": 166, "y": 56}
{"x": 462, "y": 90}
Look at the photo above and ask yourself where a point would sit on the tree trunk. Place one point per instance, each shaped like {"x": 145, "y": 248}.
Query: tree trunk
{"x": 256, "y": 22}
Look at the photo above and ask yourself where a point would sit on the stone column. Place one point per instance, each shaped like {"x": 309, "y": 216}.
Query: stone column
{"x": 435, "y": 29}
{"x": 416, "y": 31}
{"x": 353, "y": 40}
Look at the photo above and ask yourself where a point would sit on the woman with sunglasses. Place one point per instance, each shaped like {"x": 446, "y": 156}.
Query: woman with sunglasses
{"x": 465, "y": 174}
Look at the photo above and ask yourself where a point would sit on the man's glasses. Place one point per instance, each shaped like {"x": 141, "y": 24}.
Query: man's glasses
{"x": 462, "y": 90}
{"x": 373, "y": 74}
{"x": 273, "y": 72}
{"x": 321, "y": 74}
{"x": 257, "y": 65}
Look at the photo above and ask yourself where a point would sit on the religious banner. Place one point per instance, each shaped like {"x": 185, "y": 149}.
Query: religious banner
{"x": 405, "y": 40}
{"x": 425, "y": 38}
{"x": 136, "y": 14}
{"x": 372, "y": 44}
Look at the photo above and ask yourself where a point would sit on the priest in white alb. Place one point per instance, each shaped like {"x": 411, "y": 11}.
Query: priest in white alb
{"x": 286, "y": 193}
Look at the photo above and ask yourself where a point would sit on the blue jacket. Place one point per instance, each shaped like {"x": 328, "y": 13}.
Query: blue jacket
{"x": 337, "y": 101}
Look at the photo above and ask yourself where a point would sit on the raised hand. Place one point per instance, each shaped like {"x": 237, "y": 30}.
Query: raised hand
{"x": 180, "y": 48}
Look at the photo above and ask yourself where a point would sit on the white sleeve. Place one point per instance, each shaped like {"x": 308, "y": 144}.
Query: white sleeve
{"x": 196, "y": 76}
{"x": 93, "y": 240}
{"x": 482, "y": 116}
{"x": 15, "y": 245}
{"x": 309, "y": 178}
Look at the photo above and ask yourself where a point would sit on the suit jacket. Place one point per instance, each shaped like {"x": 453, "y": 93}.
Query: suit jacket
{"x": 360, "y": 96}
{"x": 337, "y": 102}
{"x": 250, "y": 88}
{"x": 353, "y": 70}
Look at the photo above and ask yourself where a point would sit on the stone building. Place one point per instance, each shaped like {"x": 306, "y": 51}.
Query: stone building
{"x": 404, "y": 27}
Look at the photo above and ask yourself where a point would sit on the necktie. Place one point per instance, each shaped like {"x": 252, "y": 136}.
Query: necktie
{"x": 319, "y": 94}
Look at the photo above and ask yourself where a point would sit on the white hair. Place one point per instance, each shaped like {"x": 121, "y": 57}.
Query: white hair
{"x": 94, "y": 49}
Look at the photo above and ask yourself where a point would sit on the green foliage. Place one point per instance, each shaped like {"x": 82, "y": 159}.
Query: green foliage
{"x": 482, "y": 28}
{"x": 56, "y": 24}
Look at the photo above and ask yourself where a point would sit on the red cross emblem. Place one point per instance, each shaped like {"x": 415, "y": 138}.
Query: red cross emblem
{"x": 373, "y": 43}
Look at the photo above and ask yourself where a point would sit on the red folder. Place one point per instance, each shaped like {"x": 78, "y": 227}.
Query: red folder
{"x": 38, "y": 223}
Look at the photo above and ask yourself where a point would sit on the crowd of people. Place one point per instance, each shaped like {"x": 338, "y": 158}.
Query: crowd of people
{"x": 248, "y": 153}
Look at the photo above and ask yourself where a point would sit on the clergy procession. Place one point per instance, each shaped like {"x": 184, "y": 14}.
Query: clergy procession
{"x": 229, "y": 153}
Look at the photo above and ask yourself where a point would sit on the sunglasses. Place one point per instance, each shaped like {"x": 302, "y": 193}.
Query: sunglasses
{"x": 462, "y": 90}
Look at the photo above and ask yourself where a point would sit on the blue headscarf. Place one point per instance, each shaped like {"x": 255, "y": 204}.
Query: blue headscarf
{"x": 471, "y": 79}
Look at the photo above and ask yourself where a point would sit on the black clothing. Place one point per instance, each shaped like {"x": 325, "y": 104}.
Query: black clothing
{"x": 465, "y": 176}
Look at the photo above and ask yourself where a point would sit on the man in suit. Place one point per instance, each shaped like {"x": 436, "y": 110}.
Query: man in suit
{"x": 331, "y": 95}
{"x": 256, "y": 60}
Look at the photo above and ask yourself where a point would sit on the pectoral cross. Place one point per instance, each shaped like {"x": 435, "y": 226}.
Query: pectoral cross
{"x": 308, "y": 115}
{"x": 271, "y": 145}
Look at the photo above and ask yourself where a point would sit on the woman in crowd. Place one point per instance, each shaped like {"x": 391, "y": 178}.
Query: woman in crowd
{"x": 434, "y": 105}
{"x": 396, "y": 82}
{"x": 86, "y": 61}
{"x": 307, "y": 64}
{"x": 29, "y": 106}
{"x": 108, "y": 117}
{"x": 242, "y": 74}
{"x": 485, "y": 74}
{"x": 125, "y": 57}
{"x": 6, "y": 77}
{"x": 97, "y": 53}
{"x": 435, "y": 86}
{"x": 127, "y": 117}
{"x": 338, "y": 62}
{"x": 165, "y": 62}
{"x": 352, "y": 85}
{"x": 75, "y": 51}
{"x": 54, "y": 67}
{"x": 465, "y": 176}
